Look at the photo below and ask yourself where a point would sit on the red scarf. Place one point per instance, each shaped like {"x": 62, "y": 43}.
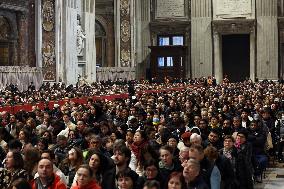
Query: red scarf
{"x": 136, "y": 148}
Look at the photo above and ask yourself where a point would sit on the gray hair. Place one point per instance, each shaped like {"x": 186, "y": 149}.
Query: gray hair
{"x": 195, "y": 136}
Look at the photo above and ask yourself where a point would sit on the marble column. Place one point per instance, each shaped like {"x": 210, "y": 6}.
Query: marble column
{"x": 71, "y": 59}
{"x": 267, "y": 39}
{"x": 38, "y": 37}
{"x": 201, "y": 35}
{"x": 90, "y": 45}
{"x": 143, "y": 37}
{"x": 218, "y": 68}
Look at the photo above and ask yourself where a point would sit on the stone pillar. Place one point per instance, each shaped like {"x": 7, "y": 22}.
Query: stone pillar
{"x": 252, "y": 54}
{"x": 218, "y": 68}
{"x": 267, "y": 39}
{"x": 48, "y": 40}
{"x": 60, "y": 41}
{"x": 201, "y": 35}
{"x": 143, "y": 37}
{"x": 70, "y": 37}
{"x": 38, "y": 36}
{"x": 90, "y": 45}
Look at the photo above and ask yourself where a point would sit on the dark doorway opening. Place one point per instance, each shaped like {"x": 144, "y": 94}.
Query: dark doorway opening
{"x": 236, "y": 57}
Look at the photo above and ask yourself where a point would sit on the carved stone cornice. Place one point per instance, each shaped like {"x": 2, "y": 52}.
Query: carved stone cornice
{"x": 236, "y": 26}
{"x": 170, "y": 27}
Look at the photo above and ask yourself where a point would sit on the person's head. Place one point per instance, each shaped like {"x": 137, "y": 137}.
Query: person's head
{"x": 151, "y": 184}
{"x": 214, "y": 120}
{"x": 228, "y": 142}
{"x": 14, "y": 160}
{"x": 236, "y": 121}
{"x": 195, "y": 139}
{"x": 242, "y": 137}
{"x": 94, "y": 160}
{"x": 24, "y": 135}
{"x": 196, "y": 152}
{"x": 95, "y": 142}
{"x": 81, "y": 125}
{"x": 15, "y": 145}
{"x": 254, "y": 125}
{"x": 245, "y": 114}
{"x": 213, "y": 136}
{"x": 176, "y": 181}
{"x": 31, "y": 157}
{"x": 75, "y": 155}
{"x": 126, "y": 179}
{"x": 183, "y": 154}
{"x": 61, "y": 140}
{"x": 48, "y": 154}
{"x": 226, "y": 123}
{"x": 66, "y": 118}
{"x": 42, "y": 144}
{"x": 191, "y": 170}
{"x": 166, "y": 155}
{"x": 129, "y": 136}
{"x": 211, "y": 153}
{"x": 20, "y": 184}
{"x": 84, "y": 175}
{"x": 173, "y": 141}
{"x": 45, "y": 169}
{"x": 139, "y": 137}
{"x": 122, "y": 155}
{"x": 151, "y": 169}
{"x": 202, "y": 124}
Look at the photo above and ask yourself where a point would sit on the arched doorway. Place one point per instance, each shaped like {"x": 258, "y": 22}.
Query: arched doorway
{"x": 5, "y": 50}
{"x": 100, "y": 45}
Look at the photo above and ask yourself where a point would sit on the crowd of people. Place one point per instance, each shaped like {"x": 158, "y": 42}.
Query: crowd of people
{"x": 207, "y": 135}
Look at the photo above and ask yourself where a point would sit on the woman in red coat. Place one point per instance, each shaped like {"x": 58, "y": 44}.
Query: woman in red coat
{"x": 84, "y": 179}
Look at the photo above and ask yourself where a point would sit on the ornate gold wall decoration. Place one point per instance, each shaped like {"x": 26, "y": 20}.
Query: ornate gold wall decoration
{"x": 49, "y": 76}
{"x": 125, "y": 57}
{"x": 125, "y": 30}
{"x": 48, "y": 16}
{"x": 48, "y": 40}
{"x": 48, "y": 55}
{"x": 125, "y": 7}
{"x": 125, "y": 34}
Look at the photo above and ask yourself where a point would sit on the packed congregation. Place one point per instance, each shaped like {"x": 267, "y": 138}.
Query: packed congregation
{"x": 203, "y": 136}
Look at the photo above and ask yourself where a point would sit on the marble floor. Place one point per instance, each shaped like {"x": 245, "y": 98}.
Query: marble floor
{"x": 274, "y": 178}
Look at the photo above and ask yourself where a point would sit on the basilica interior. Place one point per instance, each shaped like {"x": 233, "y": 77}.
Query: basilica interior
{"x": 97, "y": 40}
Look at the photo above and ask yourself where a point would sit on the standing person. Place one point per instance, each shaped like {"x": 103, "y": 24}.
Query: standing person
{"x": 14, "y": 169}
{"x": 208, "y": 170}
{"x": 84, "y": 179}
{"x": 167, "y": 164}
{"x": 192, "y": 176}
{"x": 243, "y": 161}
{"x": 47, "y": 179}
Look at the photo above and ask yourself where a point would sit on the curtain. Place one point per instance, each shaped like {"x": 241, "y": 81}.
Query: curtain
{"x": 22, "y": 76}
{"x": 115, "y": 73}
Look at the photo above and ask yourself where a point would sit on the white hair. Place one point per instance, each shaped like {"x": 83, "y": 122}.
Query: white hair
{"x": 195, "y": 136}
